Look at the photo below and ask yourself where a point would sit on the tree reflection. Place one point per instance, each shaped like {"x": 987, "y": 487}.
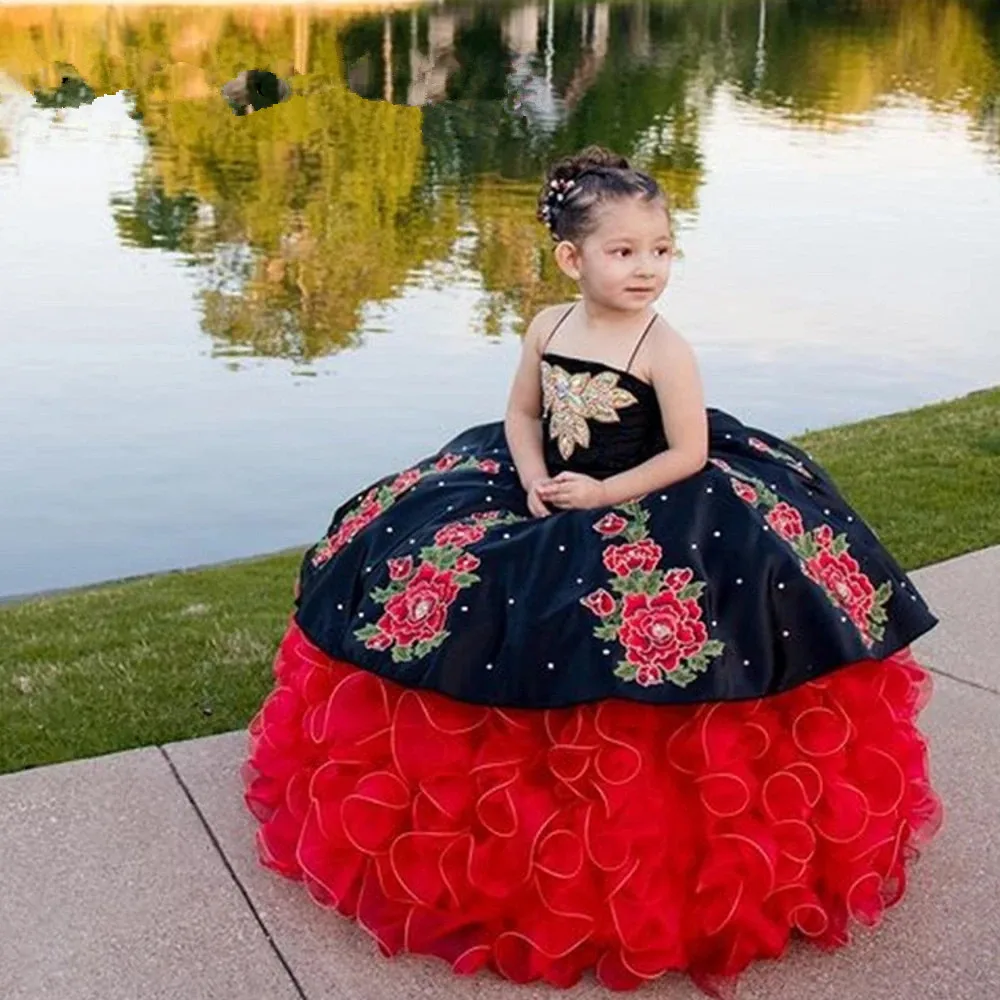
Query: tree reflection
{"x": 153, "y": 218}
{"x": 415, "y": 138}
{"x": 71, "y": 92}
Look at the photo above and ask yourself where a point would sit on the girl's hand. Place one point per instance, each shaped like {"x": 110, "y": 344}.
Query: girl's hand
{"x": 535, "y": 504}
{"x": 573, "y": 490}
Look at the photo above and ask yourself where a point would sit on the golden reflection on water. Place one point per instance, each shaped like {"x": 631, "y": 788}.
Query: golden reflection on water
{"x": 338, "y": 197}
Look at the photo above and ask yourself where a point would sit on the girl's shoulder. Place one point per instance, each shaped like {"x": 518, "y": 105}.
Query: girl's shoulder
{"x": 663, "y": 350}
{"x": 544, "y": 322}
{"x": 665, "y": 339}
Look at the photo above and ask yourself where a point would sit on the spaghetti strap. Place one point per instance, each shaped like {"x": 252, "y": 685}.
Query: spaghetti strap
{"x": 559, "y": 323}
{"x": 638, "y": 343}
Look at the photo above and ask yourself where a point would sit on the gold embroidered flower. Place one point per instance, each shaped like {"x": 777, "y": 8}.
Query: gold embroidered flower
{"x": 573, "y": 399}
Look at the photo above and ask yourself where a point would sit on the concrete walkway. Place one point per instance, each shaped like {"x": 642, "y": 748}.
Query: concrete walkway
{"x": 133, "y": 877}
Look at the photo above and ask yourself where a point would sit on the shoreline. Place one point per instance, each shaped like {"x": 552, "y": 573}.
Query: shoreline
{"x": 183, "y": 654}
{"x": 13, "y": 600}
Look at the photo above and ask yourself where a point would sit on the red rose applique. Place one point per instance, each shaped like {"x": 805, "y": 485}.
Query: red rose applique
{"x": 655, "y": 615}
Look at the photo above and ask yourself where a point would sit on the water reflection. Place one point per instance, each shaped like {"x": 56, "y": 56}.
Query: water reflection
{"x": 253, "y": 90}
{"x": 452, "y": 95}
{"x": 462, "y": 106}
{"x": 832, "y": 163}
{"x": 72, "y": 91}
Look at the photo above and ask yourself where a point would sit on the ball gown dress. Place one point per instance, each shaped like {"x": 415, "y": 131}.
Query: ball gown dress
{"x": 668, "y": 735}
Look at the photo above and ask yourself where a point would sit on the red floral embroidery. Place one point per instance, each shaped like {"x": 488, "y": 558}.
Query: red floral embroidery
{"x": 417, "y": 600}
{"x": 648, "y": 674}
{"x": 467, "y": 562}
{"x": 657, "y": 617}
{"x": 824, "y": 559}
{"x": 460, "y": 534}
{"x": 841, "y": 576}
{"x": 786, "y": 520}
{"x": 622, "y": 559}
{"x": 824, "y": 536}
{"x": 419, "y": 612}
{"x": 782, "y": 456}
{"x": 379, "y": 499}
{"x": 349, "y": 528}
{"x": 600, "y": 602}
{"x": 381, "y": 641}
{"x": 447, "y": 461}
{"x": 661, "y": 631}
{"x": 611, "y": 524}
{"x": 489, "y": 466}
{"x": 405, "y": 480}
{"x": 400, "y": 569}
{"x": 678, "y": 579}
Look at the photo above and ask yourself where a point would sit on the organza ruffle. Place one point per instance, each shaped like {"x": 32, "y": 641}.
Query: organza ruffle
{"x": 627, "y": 838}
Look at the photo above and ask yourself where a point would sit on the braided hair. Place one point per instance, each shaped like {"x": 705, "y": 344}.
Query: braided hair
{"x": 577, "y": 185}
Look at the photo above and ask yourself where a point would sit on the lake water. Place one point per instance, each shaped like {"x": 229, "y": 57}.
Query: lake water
{"x": 214, "y": 328}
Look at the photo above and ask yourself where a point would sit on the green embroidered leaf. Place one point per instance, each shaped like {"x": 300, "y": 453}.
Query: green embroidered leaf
{"x": 421, "y": 649}
{"x": 840, "y": 544}
{"x": 618, "y": 585}
{"x": 367, "y": 632}
{"x": 625, "y": 670}
{"x": 631, "y": 584}
{"x": 634, "y": 533}
{"x": 607, "y": 632}
{"x": 809, "y": 547}
{"x": 712, "y": 648}
{"x": 448, "y": 556}
{"x": 878, "y": 614}
{"x": 402, "y": 654}
{"x": 884, "y": 592}
{"x": 385, "y": 497}
{"x": 466, "y": 579}
{"x": 691, "y": 591}
{"x": 683, "y": 675}
{"x": 382, "y": 594}
{"x": 769, "y": 499}
{"x": 650, "y": 583}
{"x": 877, "y": 632}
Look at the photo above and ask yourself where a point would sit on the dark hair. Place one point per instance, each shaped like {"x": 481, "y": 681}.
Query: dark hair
{"x": 577, "y": 185}
{"x": 263, "y": 87}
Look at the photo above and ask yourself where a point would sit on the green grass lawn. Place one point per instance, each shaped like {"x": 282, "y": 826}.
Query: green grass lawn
{"x": 189, "y": 654}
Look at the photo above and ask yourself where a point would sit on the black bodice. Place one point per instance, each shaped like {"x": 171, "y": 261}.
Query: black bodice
{"x": 597, "y": 420}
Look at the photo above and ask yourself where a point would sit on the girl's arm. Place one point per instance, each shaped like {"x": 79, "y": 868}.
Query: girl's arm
{"x": 677, "y": 382}
{"x": 523, "y": 421}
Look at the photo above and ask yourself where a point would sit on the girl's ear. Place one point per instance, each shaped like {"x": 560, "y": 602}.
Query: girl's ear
{"x": 568, "y": 259}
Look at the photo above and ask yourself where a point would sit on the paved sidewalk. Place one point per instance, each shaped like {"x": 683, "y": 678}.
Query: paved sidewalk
{"x": 133, "y": 877}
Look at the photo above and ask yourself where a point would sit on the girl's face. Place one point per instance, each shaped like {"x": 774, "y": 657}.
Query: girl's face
{"x": 624, "y": 264}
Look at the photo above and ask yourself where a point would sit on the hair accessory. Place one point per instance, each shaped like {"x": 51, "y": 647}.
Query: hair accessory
{"x": 559, "y": 189}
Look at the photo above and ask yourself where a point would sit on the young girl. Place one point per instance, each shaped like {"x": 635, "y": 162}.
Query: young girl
{"x": 618, "y": 684}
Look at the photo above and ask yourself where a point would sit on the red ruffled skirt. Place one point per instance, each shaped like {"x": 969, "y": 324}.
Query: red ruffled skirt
{"x": 630, "y": 839}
